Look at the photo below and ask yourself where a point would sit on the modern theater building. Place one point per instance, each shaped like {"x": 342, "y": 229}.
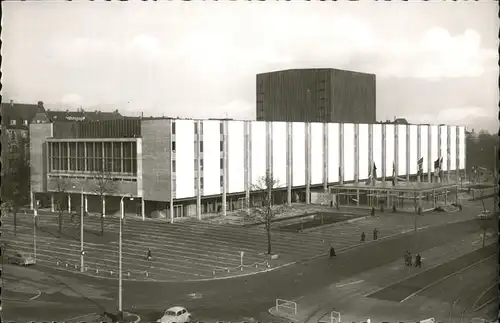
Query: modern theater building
{"x": 192, "y": 167}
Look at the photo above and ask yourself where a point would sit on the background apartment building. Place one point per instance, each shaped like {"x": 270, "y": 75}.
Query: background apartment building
{"x": 191, "y": 167}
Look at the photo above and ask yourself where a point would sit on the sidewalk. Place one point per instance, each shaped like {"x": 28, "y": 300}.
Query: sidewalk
{"x": 349, "y": 296}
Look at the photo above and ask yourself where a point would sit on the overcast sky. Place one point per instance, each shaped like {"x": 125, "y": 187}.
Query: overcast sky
{"x": 434, "y": 61}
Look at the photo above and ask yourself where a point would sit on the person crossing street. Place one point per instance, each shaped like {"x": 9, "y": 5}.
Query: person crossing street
{"x": 363, "y": 236}
{"x": 149, "y": 256}
{"x": 332, "y": 252}
{"x": 418, "y": 261}
{"x": 375, "y": 234}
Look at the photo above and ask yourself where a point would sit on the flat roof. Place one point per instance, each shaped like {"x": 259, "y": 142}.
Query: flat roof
{"x": 400, "y": 186}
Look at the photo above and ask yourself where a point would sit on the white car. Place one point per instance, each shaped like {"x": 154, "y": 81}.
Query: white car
{"x": 22, "y": 259}
{"x": 175, "y": 314}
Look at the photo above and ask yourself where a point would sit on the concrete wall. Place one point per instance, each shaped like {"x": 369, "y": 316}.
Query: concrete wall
{"x": 156, "y": 155}
{"x": 39, "y": 132}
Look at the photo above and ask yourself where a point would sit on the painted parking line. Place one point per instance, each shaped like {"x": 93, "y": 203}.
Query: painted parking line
{"x": 292, "y": 243}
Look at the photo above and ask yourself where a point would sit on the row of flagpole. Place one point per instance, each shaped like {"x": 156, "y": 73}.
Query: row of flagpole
{"x": 372, "y": 172}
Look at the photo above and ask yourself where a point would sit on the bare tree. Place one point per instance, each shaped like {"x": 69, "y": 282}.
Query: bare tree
{"x": 266, "y": 185}
{"x": 60, "y": 186}
{"x": 15, "y": 187}
{"x": 103, "y": 185}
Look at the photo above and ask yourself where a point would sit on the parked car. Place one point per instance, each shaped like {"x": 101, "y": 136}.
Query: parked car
{"x": 22, "y": 259}
{"x": 484, "y": 215}
{"x": 175, "y": 314}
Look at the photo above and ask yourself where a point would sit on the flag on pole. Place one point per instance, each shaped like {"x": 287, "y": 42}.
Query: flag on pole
{"x": 437, "y": 166}
{"x": 374, "y": 172}
{"x": 340, "y": 175}
{"x": 420, "y": 166}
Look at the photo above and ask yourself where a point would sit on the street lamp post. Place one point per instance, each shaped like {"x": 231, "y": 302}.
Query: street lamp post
{"x": 34, "y": 233}
{"x": 82, "y": 252}
{"x": 120, "y": 308}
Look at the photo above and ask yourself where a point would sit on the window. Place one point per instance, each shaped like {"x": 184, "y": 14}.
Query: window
{"x": 117, "y": 157}
{"x": 173, "y": 146}
{"x": 98, "y": 158}
{"x": 201, "y": 164}
{"x": 201, "y": 183}
{"x": 221, "y": 128}
{"x": 25, "y": 122}
{"x": 24, "y": 134}
{"x": 108, "y": 157}
{"x": 222, "y": 146}
{"x": 89, "y": 146}
{"x": 221, "y": 181}
{"x": 201, "y": 146}
{"x": 12, "y": 122}
{"x": 173, "y": 127}
{"x": 63, "y": 146}
{"x": 173, "y": 166}
{"x": 222, "y": 163}
{"x": 72, "y": 156}
{"x": 80, "y": 156}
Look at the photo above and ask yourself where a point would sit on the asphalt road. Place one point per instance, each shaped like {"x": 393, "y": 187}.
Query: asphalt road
{"x": 474, "y": 291}
{"x": 238, "y": 298}
{"x": 400, "y": 291}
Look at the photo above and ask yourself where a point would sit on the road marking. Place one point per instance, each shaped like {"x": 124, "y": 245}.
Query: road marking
{"x": 39, "y": 293}
{"x": 351, "y": 283}
{"x": 485, "y": 304}
{"x": 132, "y": 314}
{"x": 445, "y": 277}
{"x": 481, "y": 295}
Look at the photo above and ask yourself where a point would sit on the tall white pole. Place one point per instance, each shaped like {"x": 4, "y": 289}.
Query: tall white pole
{"x": 120, "y": 262}
{"x": 81, "y": 232}
{"x": 34, "y": 234}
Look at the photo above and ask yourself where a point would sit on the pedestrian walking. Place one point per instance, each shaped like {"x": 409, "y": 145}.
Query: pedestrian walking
{"x": 410, "y": 260}
{"x": 375, "y": 234}
{"x": 418, "y": 261}
{"x": 407, "y": 258}
{"x": 372, "y": 213}
{"x": 363, "y": 236}
{"x": 149, "y": 256}
{"x": 332, "y": 252}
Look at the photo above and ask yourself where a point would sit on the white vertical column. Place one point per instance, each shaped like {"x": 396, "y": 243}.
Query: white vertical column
{"x": 408, "y": 153}
{"x": 439, "y": 154}
{"x": 396, "y": 153}
{"x": 104, "y": 206}
{"x": 247, "y": 163}
{"x": 384, "y": 149}
{"x": 143, "y": 208}
{"x": 269, "y": 151}
{"x": 68, "y": 158}
{"x": 419, "y": 149}
{"x": 308, "y": 161}
{"x": 356, "y": 153}
{"x": 86, "y": 203}
{"x": 325, "y": 157}
{"x": 457, "y": 151}
{"x": 69, "y": 202}
{"x": 32, "y": 200}
{"x": 370, "y": 146}
{"x": 197, "y": 144}
{"x": 172, "y": 173}
{"x": 224, "y": 173}
{"x": 429, "y": 154}
{"x": 289, "y": 162}
{"x": 341, "y": 153}
{"x": 448, "y": 153}
{"x": 52, "y": 206}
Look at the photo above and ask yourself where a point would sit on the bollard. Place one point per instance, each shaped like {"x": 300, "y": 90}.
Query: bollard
{"x": 76, "y": 266}
{"x": 128, "y": 273}
{"x": 241, "y": 268}
{"x": 66, "y": 265}
{"x": 228, "y": 270}
{"x": 111, "y": 272}
{"x": 85, "y": 268}
{"x": 213, "y": 272}
{"x": 97, "y": 271}
{"x": 256, "y": 265}
{"x": 57, "y": 262}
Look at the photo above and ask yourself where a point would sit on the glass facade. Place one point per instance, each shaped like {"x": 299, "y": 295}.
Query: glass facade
{"x": 100, "y": 156}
